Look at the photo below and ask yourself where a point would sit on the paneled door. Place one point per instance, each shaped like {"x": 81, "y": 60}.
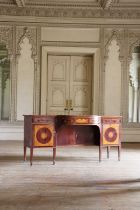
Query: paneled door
{"x": 69, "y": 84}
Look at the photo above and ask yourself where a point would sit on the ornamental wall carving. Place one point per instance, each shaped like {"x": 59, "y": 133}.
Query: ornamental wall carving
{"x": 118, "y": 35}
{"x": 31, "y": 34}
{"x": 6, "y": 37}
{"x": 133, "y": 41}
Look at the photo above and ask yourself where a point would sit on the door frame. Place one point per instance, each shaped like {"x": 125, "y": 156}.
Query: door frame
{"x": 53, "y": 50}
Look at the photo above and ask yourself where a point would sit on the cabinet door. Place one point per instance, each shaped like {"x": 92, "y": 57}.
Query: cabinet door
{"x": 58, "y": 84}
{"x": 80, "y": 85}
{"x": 111, "y": 134}
{"x": 43, "y": 135}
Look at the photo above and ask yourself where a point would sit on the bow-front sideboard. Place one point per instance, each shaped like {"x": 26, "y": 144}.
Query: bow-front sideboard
{"x": 52, "y": 131}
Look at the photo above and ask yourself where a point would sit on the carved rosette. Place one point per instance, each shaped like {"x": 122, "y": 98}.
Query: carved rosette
{"x": 31, "y": 34}
{"x": 6, "y": 37}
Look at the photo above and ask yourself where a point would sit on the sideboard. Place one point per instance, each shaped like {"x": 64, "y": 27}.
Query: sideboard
{"x": 52, "y": 131}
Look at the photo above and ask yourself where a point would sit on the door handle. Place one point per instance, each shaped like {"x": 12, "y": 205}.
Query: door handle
{"x": 70, "y": 105}
{"x": 66, "y": 105}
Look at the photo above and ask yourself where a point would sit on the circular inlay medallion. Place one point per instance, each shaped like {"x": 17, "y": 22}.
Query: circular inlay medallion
{"x": 110, "y": 134}
{"x": 43, "y": 135}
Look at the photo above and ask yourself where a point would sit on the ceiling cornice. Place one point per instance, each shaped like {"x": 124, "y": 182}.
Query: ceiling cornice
{"x": 67, "y": 12}
{"x": 20, "y": 3}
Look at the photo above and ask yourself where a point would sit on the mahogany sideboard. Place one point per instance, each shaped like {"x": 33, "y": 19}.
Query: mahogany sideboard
{"x": 50, "y": 131}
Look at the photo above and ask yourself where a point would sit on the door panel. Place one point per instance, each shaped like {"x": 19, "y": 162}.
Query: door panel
{"x": 69, "y": 85}
{"x": 58, "y": 84}
{"x": 80, "y": 83}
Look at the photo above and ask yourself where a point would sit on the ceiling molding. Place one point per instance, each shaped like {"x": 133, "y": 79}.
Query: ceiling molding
{"x": 95, "y": 4}
{"x": 71, "y": 12}
{"x": 20, "y": 3}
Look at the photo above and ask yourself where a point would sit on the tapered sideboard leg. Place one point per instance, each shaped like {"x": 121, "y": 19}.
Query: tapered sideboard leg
{"x": 31, "y": 155}
{"x": 24, "y": 153}
{"x": 119, "y": 153}
{"x": 100, "y": 153}
{"x": 108, "y": 151}
{"x": 54, "y": 155}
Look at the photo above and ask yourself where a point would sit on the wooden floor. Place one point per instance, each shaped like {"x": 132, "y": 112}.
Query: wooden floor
{"x": 77, "y": 182}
